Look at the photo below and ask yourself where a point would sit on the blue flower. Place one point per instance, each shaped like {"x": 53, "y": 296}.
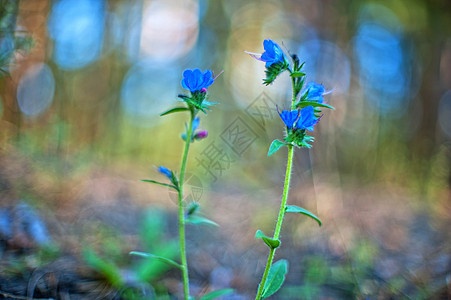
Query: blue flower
{"x": 196, "y": 122}
{"x": 165, "y": 171}
{"x": 289, "y": 117}
{"x": 195, "y": 80}
{"x": 273, "y": 53}
{"x": 314, "y": 92}
{"x": 307, "y": 119}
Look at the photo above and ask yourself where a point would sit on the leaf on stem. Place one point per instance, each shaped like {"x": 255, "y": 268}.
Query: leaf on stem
{"x": 302, "y": 104}
{"x": 157, "y": 257}
{"x": 297, "y": 74}
{"x": 174, "y": 110}
{"x": 198, "y": 220}
{"x": 276, "y": 277}
{"x": 275, "y": 145}
{"x": 272, "y": 243}
{"x": 297, "y": 209}
{"x": 160, "y": 183}
{"x": 216, "y": 294}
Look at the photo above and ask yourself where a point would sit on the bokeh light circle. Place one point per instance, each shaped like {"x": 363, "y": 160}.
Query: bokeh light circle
{"x": 36, "y": 90}
{"x": 325, "y": 63}
{"x": 77, "y": 29}
{"x": 147, "y": 90}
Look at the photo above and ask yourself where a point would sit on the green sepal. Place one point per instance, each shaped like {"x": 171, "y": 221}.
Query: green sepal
{"x": 299, "y": 138}
{"x": 174, "y": 110}
{"x": 297, "y": 209}
{"x": 157, "y": 257}
{"x": 216, "y": 294}
{"x": 174, "y": 180}
{"x": 272, "y": 243}
{"x": 302, "y": 104}
{"x": 275, "y": 146}
{"x": 297, "y": 74}
{"x": 274, "y": 70}
{"x": 198, "y": 220}
{"x": 276, "y": 277}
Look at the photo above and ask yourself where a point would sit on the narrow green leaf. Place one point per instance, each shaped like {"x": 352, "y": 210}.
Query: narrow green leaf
{"x": 157, "y": 257}
{"x": 275, "y": 145}
{"x": 174, "y": 110}
{"x": 297, "y": 209}
{"x": 194, "y": 219}
{"x": 160, "y": 183}
{"x": 302, "y": 104}
{"x": 276, "y": 277}
{"x": 297, "y": 74}
{"x": 103, "y": 266}
{"x": 216, "y": 294}
{"x": 272, "y": 243}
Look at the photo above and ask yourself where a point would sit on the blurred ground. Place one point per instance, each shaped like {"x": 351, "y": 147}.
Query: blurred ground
{"x": 376, "y": 242}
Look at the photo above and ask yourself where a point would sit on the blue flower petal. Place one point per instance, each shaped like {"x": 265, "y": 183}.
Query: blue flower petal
{"x": 307, "y": 119}
{"x": 195, "y": 80}
{"x": 196, "y": 122}
{"x": 273, "y": 53}
{"x": 289, "y": 117}
{"x": 314, "y": 91}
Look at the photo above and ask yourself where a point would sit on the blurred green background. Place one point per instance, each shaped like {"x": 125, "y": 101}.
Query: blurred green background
{"x": 80, "y": 125}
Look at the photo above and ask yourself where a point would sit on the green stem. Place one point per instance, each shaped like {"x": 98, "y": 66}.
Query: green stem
{"x": 181, "y": 211}
{"x": 283, "y": 204}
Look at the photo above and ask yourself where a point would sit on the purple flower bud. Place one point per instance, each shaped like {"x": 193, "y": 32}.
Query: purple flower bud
{"x": 201, "y": 135}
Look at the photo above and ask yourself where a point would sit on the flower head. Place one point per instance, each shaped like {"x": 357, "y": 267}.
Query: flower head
{"x": 165, "y": 171}
{"x": 196, "y": 80}
{"x": 289, "y": 117}
{"x": 307, "y": 119}
{"x": 273, "y": 53}
{"x": 314, "y": 92}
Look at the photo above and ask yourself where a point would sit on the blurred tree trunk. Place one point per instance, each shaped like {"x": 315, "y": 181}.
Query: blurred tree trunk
{"x": 10, "y": 111}
{"x": 425, "y": 143}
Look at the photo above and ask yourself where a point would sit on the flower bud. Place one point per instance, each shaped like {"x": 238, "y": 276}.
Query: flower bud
{"x": 201, "y": 135}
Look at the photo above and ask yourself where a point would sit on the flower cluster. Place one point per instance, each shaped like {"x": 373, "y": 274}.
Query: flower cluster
{"x": 305, "y": 113}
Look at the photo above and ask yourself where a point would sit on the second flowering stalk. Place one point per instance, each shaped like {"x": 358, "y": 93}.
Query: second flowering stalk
{"x": 300, "y": 118}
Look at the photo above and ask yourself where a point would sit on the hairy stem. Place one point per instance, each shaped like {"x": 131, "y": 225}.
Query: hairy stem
{"x": 181, "y": 212}
{"x": 283, "y": 204}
